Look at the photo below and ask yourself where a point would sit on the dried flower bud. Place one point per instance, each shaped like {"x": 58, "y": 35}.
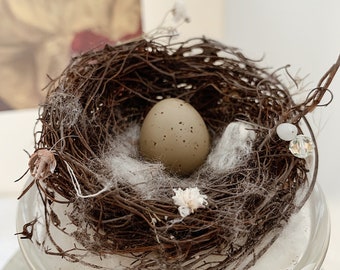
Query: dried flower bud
{"x": 42, "y": 163}
{"x": 189, "y": 200}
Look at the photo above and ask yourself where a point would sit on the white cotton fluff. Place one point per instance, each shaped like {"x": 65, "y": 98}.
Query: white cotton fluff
{"x": 125, "y": 164}
{"x": 232, "y": 148}
{"x": 134, "y": 171}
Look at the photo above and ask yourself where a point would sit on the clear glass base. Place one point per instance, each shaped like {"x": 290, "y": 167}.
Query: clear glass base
{"x": 302, "y": 245}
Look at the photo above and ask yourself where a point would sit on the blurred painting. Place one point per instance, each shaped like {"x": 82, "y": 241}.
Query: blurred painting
{"x": 39, "y": 37}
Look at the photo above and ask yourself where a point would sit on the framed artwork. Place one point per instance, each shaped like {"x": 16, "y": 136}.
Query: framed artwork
{"x": 38, "y": 38}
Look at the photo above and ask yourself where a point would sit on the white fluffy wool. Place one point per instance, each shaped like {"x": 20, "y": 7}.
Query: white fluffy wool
{"x": 232, "y": 148}
{"x": 125, "y": 165}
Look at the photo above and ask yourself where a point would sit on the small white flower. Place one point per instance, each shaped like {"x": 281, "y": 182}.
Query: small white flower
{"x": 180, "y": 12}
{"x": 189, "y": 200}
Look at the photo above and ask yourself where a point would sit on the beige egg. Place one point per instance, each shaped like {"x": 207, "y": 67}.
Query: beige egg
{"x": 174, "y": 133}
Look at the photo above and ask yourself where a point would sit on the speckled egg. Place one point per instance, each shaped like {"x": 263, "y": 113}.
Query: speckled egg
{"x": 174, "y": 133}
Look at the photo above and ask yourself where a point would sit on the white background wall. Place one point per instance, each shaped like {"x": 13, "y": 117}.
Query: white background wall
{"x": 207, "y": 17}
{"x": 302, "y": 33}
{"x": 305, "y": 34}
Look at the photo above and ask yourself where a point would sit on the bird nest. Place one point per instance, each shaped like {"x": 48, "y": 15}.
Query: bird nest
{"x": 97, "y": 99}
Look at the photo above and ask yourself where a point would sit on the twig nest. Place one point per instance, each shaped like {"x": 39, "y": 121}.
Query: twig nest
{"x": 232, "y": 202}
